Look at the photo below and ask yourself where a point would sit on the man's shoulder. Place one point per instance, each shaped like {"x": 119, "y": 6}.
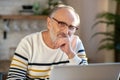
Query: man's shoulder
{"x": 76, "y": 37}
{"x": 32, "y": 35}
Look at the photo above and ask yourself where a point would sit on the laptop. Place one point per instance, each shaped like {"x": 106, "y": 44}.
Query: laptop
{"x": 96, "y": 71}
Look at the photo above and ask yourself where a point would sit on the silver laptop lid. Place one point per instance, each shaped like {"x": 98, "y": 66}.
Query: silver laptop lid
{"x": 101, "y": 71}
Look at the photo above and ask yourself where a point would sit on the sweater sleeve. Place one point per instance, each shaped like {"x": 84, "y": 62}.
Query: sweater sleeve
{"x": 80, "y": 56}
{"x": 18, "y": 67}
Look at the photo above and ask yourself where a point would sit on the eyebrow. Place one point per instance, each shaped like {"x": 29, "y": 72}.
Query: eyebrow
{"x": 64, "y": 23}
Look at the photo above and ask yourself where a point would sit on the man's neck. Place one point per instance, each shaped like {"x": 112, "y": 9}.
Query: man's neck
{"x": 47, "y": 39}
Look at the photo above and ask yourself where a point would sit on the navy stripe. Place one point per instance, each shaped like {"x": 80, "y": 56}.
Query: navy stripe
{"x": 16, "y": 76}
{"x": 17, "y": 71}
{"x": 83, "y": 61}
{"x": 48, "y": 64}
{"x": 21, "y": 56}
{"x": 11, "y": 68}
{"x": 81, "y": 51}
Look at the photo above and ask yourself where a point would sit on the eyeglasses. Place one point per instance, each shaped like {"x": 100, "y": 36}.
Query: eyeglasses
{"x": 63, "y": 25}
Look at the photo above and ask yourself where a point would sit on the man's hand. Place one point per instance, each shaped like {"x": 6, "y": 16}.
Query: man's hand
{"x": 64, "y": 43}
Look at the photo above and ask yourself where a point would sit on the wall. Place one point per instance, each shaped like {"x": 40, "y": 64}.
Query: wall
{"x": 8, "y": 45}
{"x": 17, "y": 29}
{"x": 14, "y": 6}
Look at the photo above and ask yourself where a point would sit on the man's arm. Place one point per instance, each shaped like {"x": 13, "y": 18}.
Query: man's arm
{"x": 18, "y": 67}
{"x": 73, "y": 48}
{"x": 80, "y": 57}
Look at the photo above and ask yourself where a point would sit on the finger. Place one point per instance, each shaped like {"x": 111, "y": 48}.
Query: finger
{"x": 60, "y": 42}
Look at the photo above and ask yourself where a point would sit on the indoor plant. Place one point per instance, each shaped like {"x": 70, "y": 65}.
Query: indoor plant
{"x": 112, "y": 39}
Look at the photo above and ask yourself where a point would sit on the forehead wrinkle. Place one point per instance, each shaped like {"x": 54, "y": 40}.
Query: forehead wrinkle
{"x": 66, "y": 15}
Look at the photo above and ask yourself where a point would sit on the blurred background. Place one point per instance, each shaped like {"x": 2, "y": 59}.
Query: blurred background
{"x": 97, "y": 31}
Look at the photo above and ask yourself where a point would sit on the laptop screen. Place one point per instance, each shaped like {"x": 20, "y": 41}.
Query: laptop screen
{"x": 98, "y": 71}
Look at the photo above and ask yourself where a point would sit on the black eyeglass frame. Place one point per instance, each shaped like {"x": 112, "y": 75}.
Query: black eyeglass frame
{"x": 71, "y": 27}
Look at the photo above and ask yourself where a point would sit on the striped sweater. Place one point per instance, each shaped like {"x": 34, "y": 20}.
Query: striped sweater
{"x": 33, "y": 59}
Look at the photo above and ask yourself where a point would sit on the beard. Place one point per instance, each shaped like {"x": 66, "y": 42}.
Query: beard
{"x": 55, "y": 36}
{"x": 52, "y": 35}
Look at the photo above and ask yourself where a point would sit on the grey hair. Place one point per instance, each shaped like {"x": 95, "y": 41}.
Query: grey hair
{"x": 60, "y": 6}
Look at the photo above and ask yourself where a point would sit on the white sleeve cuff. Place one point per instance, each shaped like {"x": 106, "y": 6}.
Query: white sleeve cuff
{"x": 75, "y": 60}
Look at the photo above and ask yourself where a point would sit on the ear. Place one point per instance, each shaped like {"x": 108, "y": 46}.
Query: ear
{"x": 48, "y": 22}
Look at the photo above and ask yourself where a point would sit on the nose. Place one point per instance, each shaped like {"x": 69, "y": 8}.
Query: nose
{"x": 66, "y": 30}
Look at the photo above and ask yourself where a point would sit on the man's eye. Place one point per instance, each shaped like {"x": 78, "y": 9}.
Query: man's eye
{"x": 71, "y": 27}
{"x": 62, "y": 24}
